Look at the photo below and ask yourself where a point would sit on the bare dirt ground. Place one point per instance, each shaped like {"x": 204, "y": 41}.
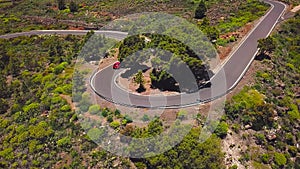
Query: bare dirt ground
{"x": 233, "y": 145}
{"x": 296, "y": 9}
{"x": 69, "y": 101}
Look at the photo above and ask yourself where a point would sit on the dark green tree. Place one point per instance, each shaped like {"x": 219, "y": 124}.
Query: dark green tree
{"x": 201, "y": 10}
{"x": 3, "y": 106}
{"x": 266, "y": 45}
{"x": 139, "y": 79}
{"x": 78, "y": 82}
{"x": 4, "y": 88}
{"x": 61, "y": 4}
{"x": 221, "y": 130}
{"x": 212, "y": 33}
{"x": 73, "y": 6}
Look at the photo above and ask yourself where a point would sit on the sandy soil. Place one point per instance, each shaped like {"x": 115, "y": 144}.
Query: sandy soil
{"x": 233, "y": 144}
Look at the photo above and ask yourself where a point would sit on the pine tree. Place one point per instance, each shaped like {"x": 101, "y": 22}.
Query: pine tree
{"x": 139, "y": 79}
{"x": 61, "y": 4}
{"x": 200, "y": 11}
{"x": 73, "y": 6}
{"x": 266, "y": 45}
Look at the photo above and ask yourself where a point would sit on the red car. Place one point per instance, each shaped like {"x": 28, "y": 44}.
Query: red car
{"x": 116, "y": 65}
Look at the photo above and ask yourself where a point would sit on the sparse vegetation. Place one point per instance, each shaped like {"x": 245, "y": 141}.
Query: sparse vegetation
{"x": 40, "y": 127}
{"x": 271, "y": 106}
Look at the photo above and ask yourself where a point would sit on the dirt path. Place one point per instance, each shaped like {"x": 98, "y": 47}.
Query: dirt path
{"x": 296, "y": 9}
{"x": 69, "y": 101}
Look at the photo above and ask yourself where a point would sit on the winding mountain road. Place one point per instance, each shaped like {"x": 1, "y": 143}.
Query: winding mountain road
{"x": 227, "y": 77}
{"x": 104, "y": 84}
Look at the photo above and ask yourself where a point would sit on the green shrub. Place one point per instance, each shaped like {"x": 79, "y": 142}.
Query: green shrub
{"x": 76, "y": 97}
{"x": 59, "y": 90}
{"x": 236, "y": 128}
{"x": 279, "y": 159}
{"x": 67, "y": 89}
{"x": 145, "y": 118}
{"x": 114, "y": 124}
{"x": 117, "y": 112}
{"x": 58, "y": 69}
{"x": 289, "y": 138}
{"x": 104, "y": 113}
{"x": 7, "y": 153}
{"x": 234, "y": 167}
{"x": 94, "y": 109}
{"x": 110, "y": 118}
{"x": 293, "y": 151}
{"x": 128, "y": 119}
{"x": 260, "y": 138}
{"x": 140, "y": 165}
{"x": 222, "y": 129}
{"x": 265, "y": 158}
{"x": 294, "y": 113}
{"x": 182, "y": 115}
{"x": 84, "y": 108}
{"x": 222, "y": 42}
{"x": 64, "y": 142}
{"x": 95, "y": 134}
{"x": 65, "y": 108}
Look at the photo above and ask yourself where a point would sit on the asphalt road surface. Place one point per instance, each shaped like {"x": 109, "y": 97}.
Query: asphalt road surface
{"x": 111, "y": 34}
{"x": 231, "y": 72}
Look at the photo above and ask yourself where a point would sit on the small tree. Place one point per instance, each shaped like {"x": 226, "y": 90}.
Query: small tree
{"x": 266, "y": 45}
{"x": 117, "y": 112}
{"x": 110, "y": 118}
{"x": 139, "y": 79}
{"x": 201, "y": 10}
{"x": 182, "y": 115}
{"x": 211, "y": 32}
{"x": 145, "y": 118}
{"x": 94, "y": 109}
{"x": 73, "y": 6}
{"x": 95, "y": 134}
{"x": 3, "y": 106}
{"x": 222, "y": 129}
{"x": 61, "y": 4}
